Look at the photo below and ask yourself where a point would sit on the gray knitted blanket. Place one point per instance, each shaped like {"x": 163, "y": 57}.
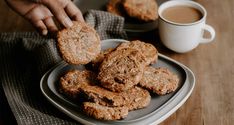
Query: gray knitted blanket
{"x": 25, "y": 57}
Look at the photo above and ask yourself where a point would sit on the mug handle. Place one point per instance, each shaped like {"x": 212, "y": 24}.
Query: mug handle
{"x": 212, "y": 33}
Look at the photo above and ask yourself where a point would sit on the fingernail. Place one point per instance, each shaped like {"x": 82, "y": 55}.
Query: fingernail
{"x": 44, "y": 32}
{"x": 68, "y": 23}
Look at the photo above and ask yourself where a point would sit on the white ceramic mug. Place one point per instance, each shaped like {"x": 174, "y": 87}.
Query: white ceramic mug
{"x": 183, "y": 37}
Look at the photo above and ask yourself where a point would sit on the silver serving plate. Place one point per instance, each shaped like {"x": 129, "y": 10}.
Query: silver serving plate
{"x": 160, "y": 108}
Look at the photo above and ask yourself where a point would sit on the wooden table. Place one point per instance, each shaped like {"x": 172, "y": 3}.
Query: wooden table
{"x": 212, "y": 101}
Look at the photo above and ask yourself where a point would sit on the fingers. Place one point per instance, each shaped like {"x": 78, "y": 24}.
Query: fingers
{"x": 41, "y": 27}
{"x": 64, "y": 11}
{"x": 57, "y": 8}
{"x": 49, "y": 22}
{"x": 41, "y": 17}
{"x": 39, "y": 12}
{"x": 44, "y": 25}
{"x": 74, "y": 12}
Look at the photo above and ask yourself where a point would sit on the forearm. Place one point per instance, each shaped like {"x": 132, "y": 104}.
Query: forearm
{"x": 21, "y": 6}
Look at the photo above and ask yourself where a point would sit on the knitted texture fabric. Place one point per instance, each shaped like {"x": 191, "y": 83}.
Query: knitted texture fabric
{"x": 25, "y": 57}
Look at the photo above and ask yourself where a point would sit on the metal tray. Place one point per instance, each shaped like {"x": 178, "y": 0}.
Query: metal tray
{"x": 159, "y": 109}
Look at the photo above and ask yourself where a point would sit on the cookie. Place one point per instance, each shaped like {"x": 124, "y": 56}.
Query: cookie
{"x": 135, "y": 98}
{"x": 72, "y": 81}
{"x": 122, "y": 69}
{"x": 147, "y": 49}
{"x": 83, "y": 84}
{"x": 78, "y": 44}
{"x": 144, "y": 10}
{"x": 95, "y": 63}
{"x": 115, "y": 7}
{"x": 101, "y": 96}
{"x": 104, "y": 112}
{"x": 159, "y": 80}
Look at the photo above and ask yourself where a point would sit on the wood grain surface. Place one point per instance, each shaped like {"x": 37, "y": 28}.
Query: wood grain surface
{"x": 212, "y": 101}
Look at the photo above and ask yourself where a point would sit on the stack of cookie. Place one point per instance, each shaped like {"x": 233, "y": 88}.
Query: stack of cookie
{"x": 142, "y": 10}
{"x": 99, "y": 102}
{"x": 120, "y": 79}
{"x": 117, "y": 75}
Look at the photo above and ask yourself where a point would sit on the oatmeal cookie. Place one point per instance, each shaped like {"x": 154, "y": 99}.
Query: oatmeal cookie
{"x": 101, "y": 96}
{"x": 144, "y": 10}
{"x": 104, "y": 112}
{"x": 147, "y": 49}
{"x": 72, "y": 81}
{"x": 78, "y": 44}
{"x": 77, "y": 84}
{"x": 95, "y": 63}
{"x": 135, "y": 98}
{"x": 115, "y": 7}
{"x": 159, "y": 80}
{"x": 122, "y": 69}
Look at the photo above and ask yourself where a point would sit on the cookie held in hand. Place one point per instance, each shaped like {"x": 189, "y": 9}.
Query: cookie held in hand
{"x": 78, "y": 44}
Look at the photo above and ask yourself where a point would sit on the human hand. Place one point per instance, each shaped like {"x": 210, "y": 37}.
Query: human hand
{"x": 41, "y": 12}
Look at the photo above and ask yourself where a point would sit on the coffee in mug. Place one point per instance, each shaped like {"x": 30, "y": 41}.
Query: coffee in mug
{"x": 182, "y": 14}
{"x": 182, "y": 25}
